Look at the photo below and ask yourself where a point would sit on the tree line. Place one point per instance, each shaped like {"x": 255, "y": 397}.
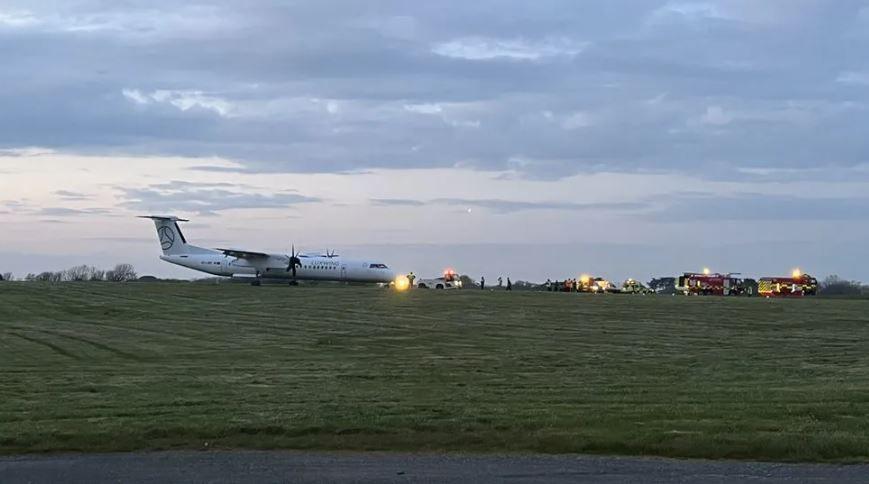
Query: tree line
{"x": 836, "y": 286}
{"x": 82, "y": 273}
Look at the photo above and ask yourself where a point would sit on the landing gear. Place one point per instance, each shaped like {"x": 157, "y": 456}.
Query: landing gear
{"x": 294, "y": 283}
{"x": 256, "y": 283}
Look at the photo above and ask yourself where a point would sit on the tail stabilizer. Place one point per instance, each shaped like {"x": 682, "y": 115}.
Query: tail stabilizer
{"x": 172, "y": 240}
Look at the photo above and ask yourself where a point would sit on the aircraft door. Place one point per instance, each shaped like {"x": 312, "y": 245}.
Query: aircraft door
{"x": 343, "y": 271}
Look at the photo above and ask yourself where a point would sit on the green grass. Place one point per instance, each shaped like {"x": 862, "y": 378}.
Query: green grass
{"x": 102, "y": 367}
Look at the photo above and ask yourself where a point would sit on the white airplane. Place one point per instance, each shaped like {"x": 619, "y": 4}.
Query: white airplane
{"x": 256, "y": 266}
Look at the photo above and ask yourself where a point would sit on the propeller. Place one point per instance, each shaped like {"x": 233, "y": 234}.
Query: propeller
{"x": 294, "y": 261}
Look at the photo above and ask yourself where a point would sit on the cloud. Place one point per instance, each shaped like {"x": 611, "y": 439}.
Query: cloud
{"x": 850, "y": 77}
{"x": 27, "y": 207}
{"x": 691, "y": 207}
{"x": 182, "y": 99}
{"x": 71, "y": 196}
{"x": 716, "y": 116}
{"x": 30, "y": 151}
{"x": 70, "y": 212}
{"x": 511, "y": 206}
{"x": 125, "y": 21}
{"x": 685, "y": 12}
{"x": 577, "y": 120}
{"x": 17, "y": 19}
{"x": 477, "y": 48}
{"x": 425, "y": 108}
{"x": 450, "y": 114}
{"x": 206, "y": 198}
{"x": 681, "y": 207}
{"x": 396, "y": 202}
{"x": 311, "y": 87}
{"x": 15, "y": 205}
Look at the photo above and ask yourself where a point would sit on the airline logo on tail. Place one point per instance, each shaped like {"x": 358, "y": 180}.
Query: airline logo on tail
{"x": 167, "y": 237}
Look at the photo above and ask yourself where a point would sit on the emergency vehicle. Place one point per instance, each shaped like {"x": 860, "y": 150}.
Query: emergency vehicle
{"x": 798, "y": 285}
{"x": 710, "y": 284}
{"x": 450, "y": 280}
{"x": 633, "y": 286}
{"x": 595, "y": 285}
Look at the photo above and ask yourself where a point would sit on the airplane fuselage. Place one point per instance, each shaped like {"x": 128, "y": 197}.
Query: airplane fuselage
{"x": 312, "y": 268}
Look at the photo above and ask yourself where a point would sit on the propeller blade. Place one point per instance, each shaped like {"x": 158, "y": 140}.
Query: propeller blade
{"x": 293, "y": 261}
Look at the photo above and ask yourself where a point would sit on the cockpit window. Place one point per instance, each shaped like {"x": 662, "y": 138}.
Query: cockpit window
{"x": 378, "y": 266}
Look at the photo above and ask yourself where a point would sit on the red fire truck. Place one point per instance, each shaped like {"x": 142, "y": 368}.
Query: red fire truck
{"x": 710, "y": 284}
{"x": 798, "y": 285}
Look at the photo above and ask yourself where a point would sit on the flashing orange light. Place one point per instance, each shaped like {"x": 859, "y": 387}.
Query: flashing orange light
{"x": 584, "y": 278}
{"x": 797, "y": 273}
{"x": 706, "y": 271}
{"x": 401, "y": 283}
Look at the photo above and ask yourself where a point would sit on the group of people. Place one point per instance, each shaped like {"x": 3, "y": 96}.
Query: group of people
{"x": 500, "y": 283}
{"x": 569, "y": 285}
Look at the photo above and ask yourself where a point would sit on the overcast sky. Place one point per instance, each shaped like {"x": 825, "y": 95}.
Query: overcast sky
{"x": 532, "y": 139}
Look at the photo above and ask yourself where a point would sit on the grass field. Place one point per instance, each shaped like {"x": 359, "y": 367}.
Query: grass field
{"x": 102, "y": 367}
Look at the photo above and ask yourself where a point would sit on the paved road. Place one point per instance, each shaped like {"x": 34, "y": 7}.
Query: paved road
{"x": 317, "y": 467}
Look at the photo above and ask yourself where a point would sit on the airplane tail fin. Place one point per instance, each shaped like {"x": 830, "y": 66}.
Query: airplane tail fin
{"x": 169, "y": 234}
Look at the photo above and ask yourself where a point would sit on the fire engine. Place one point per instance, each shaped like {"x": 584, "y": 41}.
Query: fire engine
{"x": 710, "y": 284}
{"x": 797, "y": 285}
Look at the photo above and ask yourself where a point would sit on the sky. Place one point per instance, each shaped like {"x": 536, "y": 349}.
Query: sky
{"x": 622, "y": 138}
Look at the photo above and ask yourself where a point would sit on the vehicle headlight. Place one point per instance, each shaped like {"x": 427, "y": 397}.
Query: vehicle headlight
{"x": 401, "y": 283}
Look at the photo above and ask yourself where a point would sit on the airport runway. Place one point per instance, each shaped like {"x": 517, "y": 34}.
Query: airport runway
{"x": 328, "y": 467}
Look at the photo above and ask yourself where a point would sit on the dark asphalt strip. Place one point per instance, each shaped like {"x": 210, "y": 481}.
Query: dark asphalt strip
{"x": 328, "y": 467}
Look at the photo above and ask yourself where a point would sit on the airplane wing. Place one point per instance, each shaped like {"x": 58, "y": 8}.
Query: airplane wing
{"x": 244, "y": 254}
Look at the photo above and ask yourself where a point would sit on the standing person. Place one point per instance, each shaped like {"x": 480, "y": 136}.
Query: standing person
{"x": 500, "y": 282}
{"x": 548, "y": 285}
{"x": 410, "y": 278}
{"x": 509, "y": 285}
{"x": 482, "y": 283}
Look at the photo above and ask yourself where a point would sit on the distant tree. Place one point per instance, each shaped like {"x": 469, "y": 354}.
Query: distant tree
{"x": 122, "y": 273}
{"x": 44, "y": 277}
{"x": 836, "y": 286}
{"x": 7, "y": 277}
{"x": 79, "y": 273}
{"x": 98, "y": 275}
